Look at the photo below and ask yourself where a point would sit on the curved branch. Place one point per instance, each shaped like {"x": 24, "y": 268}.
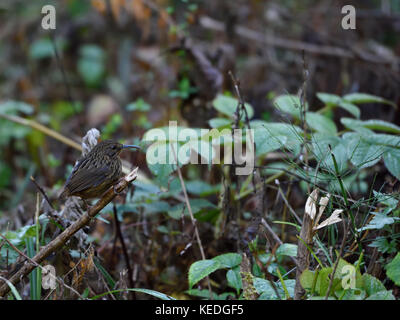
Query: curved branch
{"x": 69, "y": 232}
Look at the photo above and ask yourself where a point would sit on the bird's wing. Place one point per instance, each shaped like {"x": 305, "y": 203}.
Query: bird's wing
{"x": 83, "y": 178}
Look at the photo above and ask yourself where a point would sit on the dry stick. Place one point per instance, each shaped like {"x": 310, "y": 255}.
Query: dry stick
{"x": 303, "y": 254}
{"x": 196, "y": 231}
{"x": 35, "y": 125}
{"x": 41, "y": 190}
{"x": 274, "y": 235}
{"x": 124, "y": 250}
{"x": 70, "y": 231}
{"x": 288, "y": 205}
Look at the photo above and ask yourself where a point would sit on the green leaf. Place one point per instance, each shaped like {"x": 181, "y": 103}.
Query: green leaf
{"x": 201, "y": 188}
{"x": 265, "y": 142}
{"x": 13, "y": 107}
{"x": 234, "y": 279}
{"x": 275, "y": 131}
{"x": 219, "y": 122}
{"x": 372, "y": 285}
{"x": 329, "y": 99}
{"x": 393, "y": 270}
{"x": 228, "y": 105}
{"x": 358, "y": 98}
{"x": 228, "y": 260}
{"x": 41, "y": 48}
{"x": 91, "y": 64}
{"x": 351, "y": 108}
{"x": 392, "y": 161}
{"x": 289, "y": 104}
{"x": 321, "y": 123}
{"x": 201, "y": 269}
{"x": 321, "y": 143}
{"x": 360, "y": 152}
{"x": 287, "y": 249}
{"x": 307, "y": 279}
{"x": 379, "y": 221}
{"x": 382, "y": 295}
{"x": 378, "y": 125}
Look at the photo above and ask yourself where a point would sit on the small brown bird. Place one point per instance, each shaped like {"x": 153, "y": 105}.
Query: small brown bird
{"x": 95, "y": 173}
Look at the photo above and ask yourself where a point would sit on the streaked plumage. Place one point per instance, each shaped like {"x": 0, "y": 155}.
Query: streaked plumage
{"x": 95, "y": 173}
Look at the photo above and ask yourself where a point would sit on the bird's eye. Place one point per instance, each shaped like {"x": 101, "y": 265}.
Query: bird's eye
{"x": 113, "y": 147}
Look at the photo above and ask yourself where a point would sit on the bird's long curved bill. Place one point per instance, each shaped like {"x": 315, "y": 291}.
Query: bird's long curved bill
{"x": 125, "y": 146}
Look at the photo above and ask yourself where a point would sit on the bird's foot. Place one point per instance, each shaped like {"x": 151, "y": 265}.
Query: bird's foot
{"x": 115, "y": 190}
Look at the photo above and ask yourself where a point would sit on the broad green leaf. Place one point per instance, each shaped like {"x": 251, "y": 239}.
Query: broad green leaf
{"x": 321, "y": 143}
{"x": 378, "y": 125}
{"x": 234, "y": 279}
{"x": 382, "y": 295}
{"x": 387, "y": 140}
{"x": 321, "y": 123}
{"x": 287, "y": 249}
{"x": 219, "y": 122}
{"x": 266, "y": 142}
{"x": 201, "y": 188}
{"x": 334, "y": 100}
{"x": 307, "y": 279}
{"x": 366, "y": 98}
{"x": 351, "y": 108}
{"x": 275, "y": 131}
{"x": 228, "y": 105}
{"x": 372, "y": 285}
{"x": 361, "y": 153}
{"x": 91, "y": 64}
{"x": 197, "y": 206}
{"x": 352, "y": 294}
{"x": 329, "y": 99}
{"x": 43, "y": 48}
{"x": 393, "y": 270}
{"x": 13, "y": 107}
{"x": 201, "y": 269}
{"x": 392, "y": 161}
{"x": 265, "y": 289}
{"x": 228, "y": 260}
{"x": 156, "y": 206}
{"x": 289, "y": 284}
{"x": 289, "y": 104}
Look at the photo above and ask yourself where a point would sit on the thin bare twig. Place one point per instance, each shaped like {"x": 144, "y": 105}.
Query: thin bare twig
{"x": 124, "y": 250}
{"x": 70, "y": 231}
